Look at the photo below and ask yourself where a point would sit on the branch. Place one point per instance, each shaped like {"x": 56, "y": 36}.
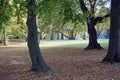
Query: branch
{"x": 94, "y": 2}
{"x": 99, "y": 19}
{"x": 92, "y": 6}
{"x": 99, "y": 32}
{"x": 107, "y": 15}
{"x": 90, "y": 1}
{"x": 65, "y": 35}
{"x": 83, "y": 6}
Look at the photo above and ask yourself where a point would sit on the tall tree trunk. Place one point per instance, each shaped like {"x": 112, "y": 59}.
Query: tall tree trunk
{"x": 52, "y": 35}
{"x": 38, "y": 64}
{"x": 58, "y": 33}
{"x": 62, "y": 35}
{"x": 84, "y": 35}
{"x": 113, "y": 54}
{"x": 71, "y": 34}
{"x": 5, "y": 37}
{"x": 93, "y": 43}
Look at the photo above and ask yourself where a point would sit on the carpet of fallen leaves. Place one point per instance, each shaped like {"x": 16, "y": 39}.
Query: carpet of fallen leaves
{"x": 66, "y": 64}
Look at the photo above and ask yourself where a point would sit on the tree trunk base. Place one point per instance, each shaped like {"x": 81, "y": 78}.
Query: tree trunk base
{"x": 108, "y": 59}
{"x": 97, "y": 46}
{"x": 40, "y": 69}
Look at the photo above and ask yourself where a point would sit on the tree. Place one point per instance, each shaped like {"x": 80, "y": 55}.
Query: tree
{"x": 57, "y": 13}
{"x": 5, "y": 15}
{"x": 113, "y": 54}
{"x": 18, "y": 20}
{"x": 72, "y": 15}
{"x": 91, "y": 22}
{"x": 38, "y": 64}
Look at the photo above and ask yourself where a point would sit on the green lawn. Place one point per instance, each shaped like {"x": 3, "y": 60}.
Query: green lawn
{"x": 59, "y": 43}
{"x": 71, "y": 43}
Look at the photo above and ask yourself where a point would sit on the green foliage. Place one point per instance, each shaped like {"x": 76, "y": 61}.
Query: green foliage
{"x": 11, "y": 17}
{"x": 71, "y": 11}
{"x": 20, "y": 10}
{"x": 6, "y": 11}
{"x": 56, "y": 13}
{"x": 51, "y": 14}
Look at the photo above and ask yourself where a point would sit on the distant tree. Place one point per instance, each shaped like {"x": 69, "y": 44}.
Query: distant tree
{"x": 18, "y": 20}
{"x": 6, "y": 11}
{"x": 49, "y": 14}
{"x": 113, "y": 54}
{"x": 92, "y": 20}
{"x": 38, "y": 64}
{"x": 72, "y": 18}
{"x": 55, "y": 14}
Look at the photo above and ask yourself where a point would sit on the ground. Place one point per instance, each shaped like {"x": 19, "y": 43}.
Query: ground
{"x": 67, "y": 63}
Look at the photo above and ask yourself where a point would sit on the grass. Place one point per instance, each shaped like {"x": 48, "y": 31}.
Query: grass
{"x": 60, "y": 43}
{"x": 71, "y": 43}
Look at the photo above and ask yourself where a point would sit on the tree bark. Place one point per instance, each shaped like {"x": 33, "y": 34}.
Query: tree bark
{"x": 71, "y": 34}
{"x": 58, "y": 33}
{"x": 93, "y": 43}
{"x": 52, "y": 35}
{"x": 84, "y": 35}
{"x": 38, "y": 64}
{"x": 5, "y": 38}
{"x": 62, "y": 36}
{"x": 113, "y": 54}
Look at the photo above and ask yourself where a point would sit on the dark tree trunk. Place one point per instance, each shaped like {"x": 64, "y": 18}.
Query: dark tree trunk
{"x": 52, "y": 35}
{"x": 58, "y": 34}
{"x": 113, "y": 54}
{"x": 71, "y": 34}
{"x": 40, "y": 34}
{"x": 62, "y": 36}
{"x": 38, "y": 64}
{"x": 84, "y": 36}
{"x": 5, "y": 38}
{"x": 93, "y": 43}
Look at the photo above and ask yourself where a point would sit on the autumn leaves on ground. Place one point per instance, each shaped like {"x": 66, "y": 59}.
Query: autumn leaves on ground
{"x": 68, "y": 63}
